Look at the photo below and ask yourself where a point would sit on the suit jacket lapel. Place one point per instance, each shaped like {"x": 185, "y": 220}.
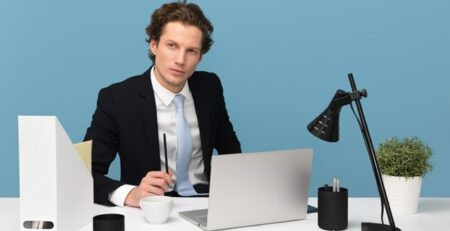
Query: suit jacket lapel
{"x": 147, "y": 108}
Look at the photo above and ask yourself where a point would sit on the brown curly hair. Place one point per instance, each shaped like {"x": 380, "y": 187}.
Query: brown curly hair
{"x": 189, "y": 14}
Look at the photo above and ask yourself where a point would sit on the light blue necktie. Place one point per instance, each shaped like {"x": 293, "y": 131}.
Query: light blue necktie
{"x": 184, "y": 150}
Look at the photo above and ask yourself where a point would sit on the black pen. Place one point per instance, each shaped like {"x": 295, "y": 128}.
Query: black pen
{"x": 165, "y": 153}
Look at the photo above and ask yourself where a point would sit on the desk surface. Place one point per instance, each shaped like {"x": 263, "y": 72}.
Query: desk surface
{"x": 433, "y": 214}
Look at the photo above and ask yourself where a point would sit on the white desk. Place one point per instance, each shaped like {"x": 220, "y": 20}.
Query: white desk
{"x": 434, "y": 214}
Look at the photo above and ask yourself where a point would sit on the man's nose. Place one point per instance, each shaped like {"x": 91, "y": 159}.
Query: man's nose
{"x": 180, "y": 57}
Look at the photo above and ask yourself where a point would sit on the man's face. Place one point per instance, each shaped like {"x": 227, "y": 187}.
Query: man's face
{"x": 176, "y": 54}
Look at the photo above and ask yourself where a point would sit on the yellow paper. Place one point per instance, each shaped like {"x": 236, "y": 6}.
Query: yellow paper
{"x": 85, "y": 151}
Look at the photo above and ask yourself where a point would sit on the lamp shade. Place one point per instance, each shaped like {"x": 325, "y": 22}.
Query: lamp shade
{"x": 326, "y": 125}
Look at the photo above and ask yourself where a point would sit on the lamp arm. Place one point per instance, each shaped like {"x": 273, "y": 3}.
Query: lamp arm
{"x": 373, "y": 160}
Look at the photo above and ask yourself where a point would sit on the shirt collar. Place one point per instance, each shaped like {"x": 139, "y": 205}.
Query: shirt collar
{"x": 165, "y": 95}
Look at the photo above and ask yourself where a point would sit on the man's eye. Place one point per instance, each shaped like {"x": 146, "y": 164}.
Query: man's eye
{"x": 194, "y": 52}
{"x": 171, "y": 45}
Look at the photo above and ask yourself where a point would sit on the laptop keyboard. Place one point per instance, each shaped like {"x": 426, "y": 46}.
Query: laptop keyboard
{"x": 203, "y": 219}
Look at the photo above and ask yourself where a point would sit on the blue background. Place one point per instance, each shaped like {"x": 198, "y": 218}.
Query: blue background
{"x": 280, "y": 63}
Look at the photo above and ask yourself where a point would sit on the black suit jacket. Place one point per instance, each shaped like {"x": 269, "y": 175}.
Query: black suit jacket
{"x": 125, "y": 123}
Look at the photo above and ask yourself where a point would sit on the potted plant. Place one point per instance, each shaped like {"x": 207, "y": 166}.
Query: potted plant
{"x": 403, "y": 163}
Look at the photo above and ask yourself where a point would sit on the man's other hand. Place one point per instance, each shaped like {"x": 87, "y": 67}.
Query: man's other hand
{"x": 153, "y": 184}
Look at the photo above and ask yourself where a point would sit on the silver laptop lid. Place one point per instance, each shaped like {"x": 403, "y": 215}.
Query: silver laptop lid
{"x": 258, "y": 188}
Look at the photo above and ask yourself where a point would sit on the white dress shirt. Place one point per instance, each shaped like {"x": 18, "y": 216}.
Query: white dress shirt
{"x": 165, "y": 111}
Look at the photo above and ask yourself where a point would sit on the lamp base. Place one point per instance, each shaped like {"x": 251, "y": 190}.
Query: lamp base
{"x": 366, "y": 226}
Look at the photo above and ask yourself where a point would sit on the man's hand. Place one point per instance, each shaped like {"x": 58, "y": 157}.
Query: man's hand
{"x": 154, "y": 183}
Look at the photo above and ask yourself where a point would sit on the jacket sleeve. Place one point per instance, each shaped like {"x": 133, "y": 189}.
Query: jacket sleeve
{"x": 103, "y": 131}
{"x": 226, "y": 140}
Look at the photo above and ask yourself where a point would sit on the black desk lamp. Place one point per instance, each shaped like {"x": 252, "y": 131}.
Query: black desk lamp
{"x": 326, "y": 127}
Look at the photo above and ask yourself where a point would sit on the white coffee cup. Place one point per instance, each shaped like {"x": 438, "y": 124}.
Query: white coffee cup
{"x": 156, "y": 208}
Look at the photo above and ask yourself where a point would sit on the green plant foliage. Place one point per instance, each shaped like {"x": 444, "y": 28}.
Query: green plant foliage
{"x": 408, "y": 157}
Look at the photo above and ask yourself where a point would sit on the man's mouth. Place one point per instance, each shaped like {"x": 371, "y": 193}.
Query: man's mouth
{"x": 177, "y": 71}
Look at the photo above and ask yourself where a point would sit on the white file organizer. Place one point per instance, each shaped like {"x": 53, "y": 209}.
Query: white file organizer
{"x": 56, "y": 188}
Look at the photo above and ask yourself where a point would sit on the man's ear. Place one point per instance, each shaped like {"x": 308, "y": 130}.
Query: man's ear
{"x": 153, "y": 46}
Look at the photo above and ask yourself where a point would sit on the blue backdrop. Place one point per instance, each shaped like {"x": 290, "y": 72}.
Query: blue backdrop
{"x": 280, "y": 63}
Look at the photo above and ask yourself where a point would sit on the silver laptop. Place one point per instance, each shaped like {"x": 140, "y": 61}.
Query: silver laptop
{"x": 255, "y": 188}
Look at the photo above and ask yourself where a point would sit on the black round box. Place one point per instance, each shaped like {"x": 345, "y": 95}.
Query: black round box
{"x": 109, "y": 222}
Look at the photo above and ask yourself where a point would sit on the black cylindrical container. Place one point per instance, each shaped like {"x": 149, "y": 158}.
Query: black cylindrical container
{"x": 109, "y": 222}
{"x": 333, "y": 208}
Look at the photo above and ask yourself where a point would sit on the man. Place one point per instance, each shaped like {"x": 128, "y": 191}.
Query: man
{"x": 170, "y": 99}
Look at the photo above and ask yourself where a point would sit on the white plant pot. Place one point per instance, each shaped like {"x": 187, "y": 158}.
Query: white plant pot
{"x": 403, "y": 193}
